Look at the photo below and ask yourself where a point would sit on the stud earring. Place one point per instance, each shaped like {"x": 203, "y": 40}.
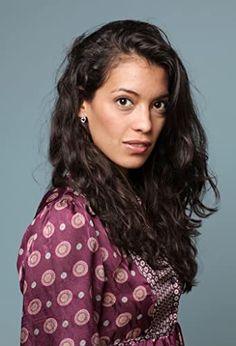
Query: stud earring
{"x": 83, "y": 119}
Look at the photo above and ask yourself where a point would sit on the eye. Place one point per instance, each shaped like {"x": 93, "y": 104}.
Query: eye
{"x": 161, "y": 105}
{"x": 124, "y": 102}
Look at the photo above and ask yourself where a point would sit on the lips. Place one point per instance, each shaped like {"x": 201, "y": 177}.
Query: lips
{"x": 138, "y": 143}
{"x": 137, "y": 146}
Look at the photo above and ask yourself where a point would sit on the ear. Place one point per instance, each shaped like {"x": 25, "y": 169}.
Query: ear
{"x": 83, "y": 109}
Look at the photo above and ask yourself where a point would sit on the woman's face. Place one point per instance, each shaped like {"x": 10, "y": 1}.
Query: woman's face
{"x": 127, "y": 113}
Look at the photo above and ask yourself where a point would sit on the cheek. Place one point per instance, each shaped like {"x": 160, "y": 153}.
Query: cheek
{"x": 106, "y": 123}
{"x": 159, "y": 127}
{"x": 113, "y": 124}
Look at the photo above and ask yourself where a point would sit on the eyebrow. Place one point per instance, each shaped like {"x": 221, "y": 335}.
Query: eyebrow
{"x": 135, "y": 93}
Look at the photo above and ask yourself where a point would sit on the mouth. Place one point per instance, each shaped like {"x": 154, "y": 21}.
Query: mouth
{"x": 137, "y": 146}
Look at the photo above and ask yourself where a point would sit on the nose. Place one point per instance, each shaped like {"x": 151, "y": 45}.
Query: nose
{"x": 142, "y": 120}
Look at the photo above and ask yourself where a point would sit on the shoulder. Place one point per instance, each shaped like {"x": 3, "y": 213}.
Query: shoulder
{"x": 63, "y": 221}
{"x": 60, "y": 200}
{"x": 59, "y": 209}
{"x": 64, "y": 234}
{"x": 63, "y": 204}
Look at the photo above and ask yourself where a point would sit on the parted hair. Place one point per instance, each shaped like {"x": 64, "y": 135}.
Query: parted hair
{"x": 155, "y": 211}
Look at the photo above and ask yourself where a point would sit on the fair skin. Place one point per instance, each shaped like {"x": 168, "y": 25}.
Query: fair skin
{"x": 127, "y": 113}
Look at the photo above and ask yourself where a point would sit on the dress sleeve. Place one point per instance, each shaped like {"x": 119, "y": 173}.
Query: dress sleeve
{"x": 61, "y": 277}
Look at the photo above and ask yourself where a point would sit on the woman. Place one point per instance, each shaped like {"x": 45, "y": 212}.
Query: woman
{"x": 112, "y": 245}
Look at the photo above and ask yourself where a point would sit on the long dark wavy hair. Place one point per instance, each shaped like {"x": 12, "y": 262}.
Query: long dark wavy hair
{"x": 174, "y": 179}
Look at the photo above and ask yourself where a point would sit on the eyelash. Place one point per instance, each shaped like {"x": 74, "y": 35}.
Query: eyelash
{"x": 126, "y": 98}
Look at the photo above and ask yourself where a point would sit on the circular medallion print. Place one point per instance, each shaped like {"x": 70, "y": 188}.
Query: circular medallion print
{"x": 62, "y": 227}
{"x": 63, "y": 203}
{"x": 151, "y": 310}
{"x": 99, "y": 272}
{"x": 36, "y": 331}
{"x": 104, "y": 341}
{"x": 48, "y": 277}
{"x": 92, "y": 244}
{"x": 104, "y": 254}
{"x": 124, "y": 299}
{"x": 64, "y": 297}
{"x": 77, "y": 220}
{"x": 48, "y": 230}
{"x": 139, "y": 293}
{"x": 34, "y": 258}
{"x": 65, "y": 324}
{"x": 50, "y": 325}
{"x": 95, "y": 340}
{"x": 24, "y": 335}
{"x": 123, "y": 319}
{"x": 63, "y": 249}
{"x": 80, "y": 268}
{"x": 81, "y": 295}
{"x": 134, "y": 333}
{"x": 67, "y": 342}
{"x": 48, "y": 304}
{"x": 30, "y": 241}
{"x": 82, "y": 317}
{"x": 109, "y": 299}
{"x": 43, "y": 212}
{"x": 96, "y": 317}
{"x": 34, "y": 306}
{"x": 52, "y": 197}
{"x": 120, "y": 275}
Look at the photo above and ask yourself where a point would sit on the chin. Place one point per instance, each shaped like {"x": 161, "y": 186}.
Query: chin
{"x": 134, "y": 165}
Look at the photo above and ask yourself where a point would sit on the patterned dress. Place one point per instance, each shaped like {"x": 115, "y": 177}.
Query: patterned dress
{"x": 79, "y": 290}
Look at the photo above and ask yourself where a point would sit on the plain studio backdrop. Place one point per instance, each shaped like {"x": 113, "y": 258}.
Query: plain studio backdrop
{"x": 34, "y": 36}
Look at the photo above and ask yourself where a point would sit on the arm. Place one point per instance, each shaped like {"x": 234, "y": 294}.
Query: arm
{"x": 61, "y": 276}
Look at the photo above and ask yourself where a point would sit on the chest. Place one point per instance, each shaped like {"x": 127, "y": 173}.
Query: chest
{"x": 133, "y": 295}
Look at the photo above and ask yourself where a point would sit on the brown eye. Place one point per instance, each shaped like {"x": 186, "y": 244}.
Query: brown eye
{"x": 161, "y": 105}
{"x": 124, "y": 102}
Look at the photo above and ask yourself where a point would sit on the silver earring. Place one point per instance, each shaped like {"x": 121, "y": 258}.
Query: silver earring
{"x": 83, "y": 119}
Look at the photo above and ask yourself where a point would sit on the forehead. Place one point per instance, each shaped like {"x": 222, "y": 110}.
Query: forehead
{"x": 136, "y": 73}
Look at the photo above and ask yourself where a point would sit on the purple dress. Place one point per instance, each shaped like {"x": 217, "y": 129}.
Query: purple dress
{"x": 79, "y": 290}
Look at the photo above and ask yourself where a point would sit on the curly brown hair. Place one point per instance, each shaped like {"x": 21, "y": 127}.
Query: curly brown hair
{"x": 174, "y": 179}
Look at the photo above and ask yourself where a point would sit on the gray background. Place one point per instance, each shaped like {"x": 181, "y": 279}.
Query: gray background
{"x": 33, "y": 38}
